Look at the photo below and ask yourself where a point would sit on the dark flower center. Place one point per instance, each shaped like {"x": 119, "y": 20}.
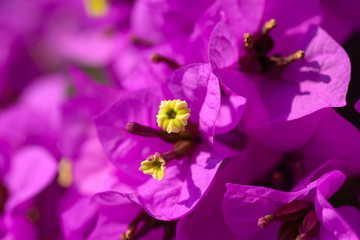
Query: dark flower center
{"x": 300, "y": 220}
{"x": 171, "y": 114}
{"x": 258, "y": 46}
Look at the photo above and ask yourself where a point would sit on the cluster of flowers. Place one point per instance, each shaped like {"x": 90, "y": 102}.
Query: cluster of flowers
{"x": 178, "y": 119}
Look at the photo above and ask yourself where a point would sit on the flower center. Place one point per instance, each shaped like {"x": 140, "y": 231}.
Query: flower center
{"x": 173, "y": 116}
{"x": 258, "y": 46}
{"x": 97, "y": 8}
{"x": 154, "y": 165}
{"x": 300, "y": 220}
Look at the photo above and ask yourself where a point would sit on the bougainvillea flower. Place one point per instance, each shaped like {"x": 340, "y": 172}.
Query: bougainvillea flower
{"x": 334, "y": 138}
{"x": 331, "y": 132}
{"x": 107, "y": 218}
{"x": 207, "y": 221}
{"x": 28, "y": 135}
{"x": 186, "y": 178}
{"x": 134, "y": 67}
{"x": 330, "y": 137}
{"x": 23, "y": 187}
{"x": 162, "y": 20}
{"x": 279, "y": 81}
{"x": 324, "y": 128}
{"x": 87, "y": 98}
{"x": 245, "y": 207}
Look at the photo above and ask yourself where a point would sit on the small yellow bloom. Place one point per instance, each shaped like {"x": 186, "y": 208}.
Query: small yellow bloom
{"x": 173, "y": 115}
{"x": 97, "y": 8}
{"x": 65, "y": 176}
{"x": 154, "y": 165}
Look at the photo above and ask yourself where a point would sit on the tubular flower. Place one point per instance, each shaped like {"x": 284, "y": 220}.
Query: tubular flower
{"x": 189, "y": 155}
{"x": 173, "y": 115}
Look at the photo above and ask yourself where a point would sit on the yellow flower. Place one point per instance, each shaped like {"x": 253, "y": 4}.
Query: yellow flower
{"x": 173, "y": 115}
{"x": 97, "y": 8}
{"x": 65, "y": 175}
{"x": 154, "y": 165}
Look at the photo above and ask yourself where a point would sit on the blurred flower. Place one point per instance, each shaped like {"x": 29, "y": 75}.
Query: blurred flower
{"x": 264, "y": 70}
{"x": 253, "y": 203}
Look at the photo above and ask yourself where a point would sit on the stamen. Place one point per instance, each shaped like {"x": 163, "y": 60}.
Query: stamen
{"x": 173, "y": 115}
{"x": 157, "y": 58}
{"x": 282, "y": 61}
{"x": 268, "y": 26}
{"x": 248, "y": 39}
{"x": 97, "y": 8}
{"x": 154, "y": 165}
{"x": 65, "y": 176}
